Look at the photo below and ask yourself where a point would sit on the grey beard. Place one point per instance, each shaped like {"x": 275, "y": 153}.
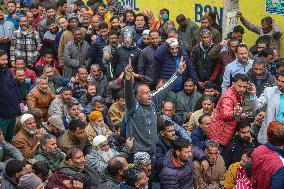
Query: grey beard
{"x": 107, "y": 155}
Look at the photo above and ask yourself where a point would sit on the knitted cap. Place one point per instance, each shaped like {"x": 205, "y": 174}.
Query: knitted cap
{"x": 95, "y": 115}
{"x": 29, "y": 181}
{"x": 141, "y": 157}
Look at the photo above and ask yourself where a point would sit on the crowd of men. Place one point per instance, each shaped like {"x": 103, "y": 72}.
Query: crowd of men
{"x": 98, "y": 96}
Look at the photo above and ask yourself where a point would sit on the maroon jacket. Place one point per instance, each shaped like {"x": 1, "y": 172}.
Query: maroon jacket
{"x": 224, "y": 122}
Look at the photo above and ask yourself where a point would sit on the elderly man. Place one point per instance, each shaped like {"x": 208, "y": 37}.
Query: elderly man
{"x": 102, "y": 153}
{"x": 141, "y": 111}
{"x": 169, "y": 56}
{"x": 74, "y": 137}
{"x": 54, "y": 126}
{"x": 40, "y": 96}
{"x": 48, "y": 152}
{"x": 143, "y": 161}
{"x": 215, "y": 175}
{"x": 27, "y": 139}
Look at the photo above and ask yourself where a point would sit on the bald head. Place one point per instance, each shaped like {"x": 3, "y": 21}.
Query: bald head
{"x": 168, "y": 109}
{"x": 116, "y": 167}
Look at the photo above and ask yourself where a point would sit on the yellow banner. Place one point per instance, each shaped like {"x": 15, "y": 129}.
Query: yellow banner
{"x": 253, "y": 10}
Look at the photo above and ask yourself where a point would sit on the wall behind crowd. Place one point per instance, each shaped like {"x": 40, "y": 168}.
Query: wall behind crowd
{"x": 253, "y": 10}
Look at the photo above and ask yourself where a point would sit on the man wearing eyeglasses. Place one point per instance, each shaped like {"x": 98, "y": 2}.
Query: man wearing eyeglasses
{"x": 273, "y": 99}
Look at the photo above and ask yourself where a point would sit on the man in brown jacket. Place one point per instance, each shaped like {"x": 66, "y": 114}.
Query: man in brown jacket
{"x": 40, "y": 96}
{"x": 74, "y": 137}
{"x": 117, "y": 110}
{"x": 214, "y": 176}
{"x": 27, "y": 139}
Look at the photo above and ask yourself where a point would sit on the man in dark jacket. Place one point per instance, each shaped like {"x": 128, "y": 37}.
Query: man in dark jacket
{"x": 22, "y": 85}
{"x": 96, "y": 49}
{"x": 199, "y": 135}
{"x": 177, "y": 172}
{"x": 233, "y": 151}
{"x": 10, "y": 100}
{"x": 115, "y": 173}
{"x": 13, "y": 171}
{"x": 96, "y": 76}
{"x": 87, "y": 97}
{"x": 202, "y": 65}
{"x": 147, "y": 65}
{"x": 128, "y": 50}
{"x": 169, "y": 55}
{"x": 259, "y": 76}
{"x": 142, "y": 123}
{"x": 164, "y": 144}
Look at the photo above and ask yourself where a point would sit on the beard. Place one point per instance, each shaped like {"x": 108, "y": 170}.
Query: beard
{"x": 44, "y": 91}
{"x": 107, "y": 155}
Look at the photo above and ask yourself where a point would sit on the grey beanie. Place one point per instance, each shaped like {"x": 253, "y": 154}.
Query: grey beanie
{"x": 29, "y": 181}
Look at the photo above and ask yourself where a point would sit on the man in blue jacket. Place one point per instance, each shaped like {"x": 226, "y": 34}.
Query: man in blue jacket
{"x": 10, "y": 99}
{"x": 169, "y": 55}
{"x": 96, "y": 49}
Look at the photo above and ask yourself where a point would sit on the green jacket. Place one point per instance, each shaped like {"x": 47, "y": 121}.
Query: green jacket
{"x": 53, "y": 160}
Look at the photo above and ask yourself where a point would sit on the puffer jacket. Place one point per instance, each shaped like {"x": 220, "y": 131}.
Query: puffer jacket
{"x": 96, "y": 52}
{"x": 223, "y": 125}
{"x": 173, "y": 177}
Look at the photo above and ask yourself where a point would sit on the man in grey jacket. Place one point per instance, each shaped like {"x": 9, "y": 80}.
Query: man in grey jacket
{"x": 186, "y": 30}
{"x": 75, "y": 54}
{"x": 141, "y": 110}
{"x": 273, "y": 99}
{"x": 6, "y": 149}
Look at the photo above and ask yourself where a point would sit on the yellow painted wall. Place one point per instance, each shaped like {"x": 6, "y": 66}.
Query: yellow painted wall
{"x": 253, "y": 10}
